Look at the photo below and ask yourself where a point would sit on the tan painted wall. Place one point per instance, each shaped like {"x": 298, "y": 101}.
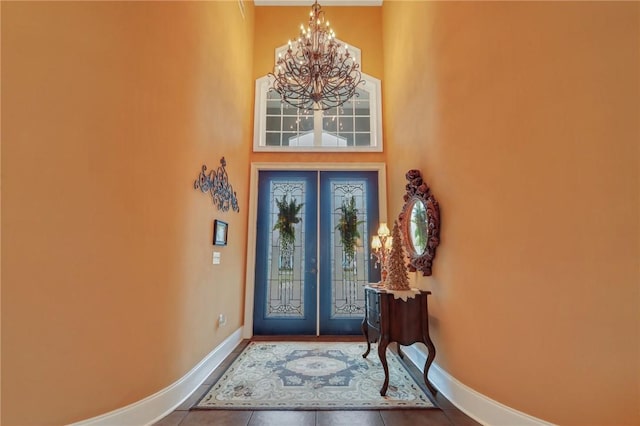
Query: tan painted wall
{"x": 109, "y": 111}
{"x": 527, "y": 118}
{"x": 523, "y": 118}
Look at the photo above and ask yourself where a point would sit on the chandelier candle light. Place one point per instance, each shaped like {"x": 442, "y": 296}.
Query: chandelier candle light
{"x": 316, "y": 72}
{"x": 381, "y": 246}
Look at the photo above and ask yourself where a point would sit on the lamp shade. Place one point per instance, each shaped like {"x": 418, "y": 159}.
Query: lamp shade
{"x": 376, "y": 244}
{"x": 388, "y": 243}
{"x": 383, "y": 230}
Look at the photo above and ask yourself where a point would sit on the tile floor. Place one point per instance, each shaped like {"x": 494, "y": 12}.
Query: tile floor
{"x": 445, "y": 415}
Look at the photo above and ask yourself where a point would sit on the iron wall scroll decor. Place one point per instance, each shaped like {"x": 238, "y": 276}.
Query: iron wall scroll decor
{"x": 420, "y": 231}
{"x": 216, "y": 183}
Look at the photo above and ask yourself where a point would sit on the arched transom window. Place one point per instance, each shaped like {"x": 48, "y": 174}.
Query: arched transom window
{"x": 354, "y": 126}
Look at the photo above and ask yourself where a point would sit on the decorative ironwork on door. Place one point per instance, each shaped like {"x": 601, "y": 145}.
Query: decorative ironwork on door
{"x": 285, "y": 265}
{"x": 350, "y": 253}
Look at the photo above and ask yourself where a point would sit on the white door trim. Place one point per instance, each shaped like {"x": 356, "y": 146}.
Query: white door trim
{"x": 253, "y": 216}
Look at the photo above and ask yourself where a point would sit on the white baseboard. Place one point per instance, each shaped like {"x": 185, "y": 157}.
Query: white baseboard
{"x": 152, "y": 408}
{"x": 479, "y": 407}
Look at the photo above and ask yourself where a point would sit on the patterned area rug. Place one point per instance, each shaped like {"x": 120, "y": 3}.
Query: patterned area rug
{"x": 312, "y": 375}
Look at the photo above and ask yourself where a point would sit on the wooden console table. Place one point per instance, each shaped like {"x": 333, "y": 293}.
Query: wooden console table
{"x": 395, "y": 320}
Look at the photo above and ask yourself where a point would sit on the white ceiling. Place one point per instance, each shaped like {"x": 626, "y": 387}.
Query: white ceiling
{"x": 322, "y": 2}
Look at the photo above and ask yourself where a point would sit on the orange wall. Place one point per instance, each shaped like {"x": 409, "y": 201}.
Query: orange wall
{"x": 357, "y": 26}
{"x": 523, "y": 118}
{"x": 109, "y": 111}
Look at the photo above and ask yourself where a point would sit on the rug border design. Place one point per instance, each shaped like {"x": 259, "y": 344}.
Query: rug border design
{"x": 315, "y": 406}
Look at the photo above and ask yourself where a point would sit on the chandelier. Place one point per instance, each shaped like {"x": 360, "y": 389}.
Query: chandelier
{"x": 316, "y": 72}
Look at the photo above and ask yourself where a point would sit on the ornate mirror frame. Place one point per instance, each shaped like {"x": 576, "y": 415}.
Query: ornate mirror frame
{"x": 418, "y": 190}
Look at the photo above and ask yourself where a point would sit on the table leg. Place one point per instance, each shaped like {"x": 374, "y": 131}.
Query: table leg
{"x": 427, "y": 365}
{"x": 382, "y": 354}
{"x": 400, "y": 354}
{"x": 365, "y": 331}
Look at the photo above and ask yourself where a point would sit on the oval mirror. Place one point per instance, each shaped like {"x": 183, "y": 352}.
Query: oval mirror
{"x": 419, "y": 223}
{"x": 418, "y": 228}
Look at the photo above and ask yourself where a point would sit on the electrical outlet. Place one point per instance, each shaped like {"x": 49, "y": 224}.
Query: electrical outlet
{"x": 216, "y": 258}
{"x": 222, "y": 320}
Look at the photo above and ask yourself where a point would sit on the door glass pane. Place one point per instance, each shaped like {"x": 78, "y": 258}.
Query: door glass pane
{"x": 285, "y": 264}
{"x": 350, "y": 266}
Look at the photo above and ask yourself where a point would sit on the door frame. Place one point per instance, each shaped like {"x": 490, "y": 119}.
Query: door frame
{"x": 256, "y": 168}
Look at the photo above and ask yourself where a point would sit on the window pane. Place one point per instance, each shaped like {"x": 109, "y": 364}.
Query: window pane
{"x": 362, "y": 108}
{"x": 362, "y": 124}
{"x": 273, "y": 139}
{"x": 289, "y": 110}
{"x": 286, "y": 137}
{"x": 272, "y": 94}
{"x": 349, "y": 137}
{"x": 363, "y": 139}
{"x": 273, "y": 107}
{"x": 306, "y": 113}
{"x": 330, "y": 124}
{"x": 345, "y": 124}
{"x": 331, "y": 139}
{"x": 362, "y": 94}
{"x": 273, "y": 123}
{"x": 306, "y": 123}
{"x": 347, "y": 107}
{"x": 290, "y": 124}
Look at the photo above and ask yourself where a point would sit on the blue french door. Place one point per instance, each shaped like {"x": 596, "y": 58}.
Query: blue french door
{"x": 308, "y": 283}
{"x": 343, "y": 272}
{"x": 285, "y": 300}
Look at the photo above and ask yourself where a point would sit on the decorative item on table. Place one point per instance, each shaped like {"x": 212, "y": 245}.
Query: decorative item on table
{"x": 220, "y": 232}
{"x": 380, "y": 248}
{"x": 348, "y": 227}
{"x": 397, "y": 277}
{"x": 316, "y": 72}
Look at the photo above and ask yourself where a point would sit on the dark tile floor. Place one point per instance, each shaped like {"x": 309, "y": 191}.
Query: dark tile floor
{"x": 445, "y": 415}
